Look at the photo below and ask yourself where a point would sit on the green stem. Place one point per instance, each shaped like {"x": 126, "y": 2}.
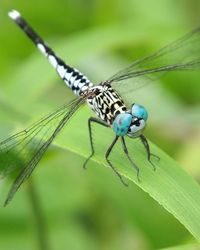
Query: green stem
{"x": 38, "y": 216}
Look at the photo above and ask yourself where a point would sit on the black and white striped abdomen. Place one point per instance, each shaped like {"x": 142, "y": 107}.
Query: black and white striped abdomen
{"x": 72, "y": 77}
{"x": 106, "y": 103}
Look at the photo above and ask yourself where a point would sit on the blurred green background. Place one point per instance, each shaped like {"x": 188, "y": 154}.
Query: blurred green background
{"x": 64, "y": 207}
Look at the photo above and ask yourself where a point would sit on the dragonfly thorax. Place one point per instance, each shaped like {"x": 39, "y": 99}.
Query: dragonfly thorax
{"x": 106, "y": 103}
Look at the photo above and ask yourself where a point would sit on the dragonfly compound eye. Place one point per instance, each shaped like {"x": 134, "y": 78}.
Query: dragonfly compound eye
{"x": 136, "y": 127}
{"x": 122, "y": 123}
{"x": 139, "y": 111}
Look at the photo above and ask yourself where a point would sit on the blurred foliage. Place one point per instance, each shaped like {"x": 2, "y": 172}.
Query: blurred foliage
{"x": 91, "y": 209}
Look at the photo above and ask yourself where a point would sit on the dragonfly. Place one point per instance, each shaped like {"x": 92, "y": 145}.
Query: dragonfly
{"x": 22, "y": 152}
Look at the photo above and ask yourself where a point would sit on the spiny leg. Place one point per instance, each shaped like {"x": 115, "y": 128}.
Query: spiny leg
{"x": 108, "y": 161}
{"x": 90, "y": 120}
{"x": 129, "y": 158}
{"x": 149, "y": 154}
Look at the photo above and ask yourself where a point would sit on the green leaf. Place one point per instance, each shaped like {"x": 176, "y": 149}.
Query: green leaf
{"x": 184, "y": 247}
{"x": 169, "y": 185}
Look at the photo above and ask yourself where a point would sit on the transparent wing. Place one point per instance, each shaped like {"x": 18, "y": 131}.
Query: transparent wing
{"x": 182, "y": 54}
{"x": 20, "y": 154}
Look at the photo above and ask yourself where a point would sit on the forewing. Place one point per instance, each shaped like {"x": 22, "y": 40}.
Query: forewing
{"x": 183, "y": 54}
{"x": 20, "y": 154}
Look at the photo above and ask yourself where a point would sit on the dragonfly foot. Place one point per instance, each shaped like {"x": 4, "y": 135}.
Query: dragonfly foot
{"x": 152, "y": 164}
{"x": 138, "y": 176}
{"x": 122, "y": 180}
{"x": 86, "y": 162}
{"x": 155, "y": 156}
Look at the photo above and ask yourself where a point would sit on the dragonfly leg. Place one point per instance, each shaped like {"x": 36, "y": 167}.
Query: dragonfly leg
{"x": 129, "y": 158}
{"x": 90, "y": 120}
{"x": 109, "y": 162}
{"x": 149, "y": 154}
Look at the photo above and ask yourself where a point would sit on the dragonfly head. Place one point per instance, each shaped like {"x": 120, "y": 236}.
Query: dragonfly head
{"x": 132, "y": 122}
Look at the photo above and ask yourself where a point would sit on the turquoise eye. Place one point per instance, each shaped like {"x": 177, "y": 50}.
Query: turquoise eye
{"x": 122, "y": 123}
{"x": 139, "y": 111}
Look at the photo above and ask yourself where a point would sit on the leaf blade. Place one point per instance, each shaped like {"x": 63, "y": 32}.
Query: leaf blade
{"x": 169, "y": 185}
